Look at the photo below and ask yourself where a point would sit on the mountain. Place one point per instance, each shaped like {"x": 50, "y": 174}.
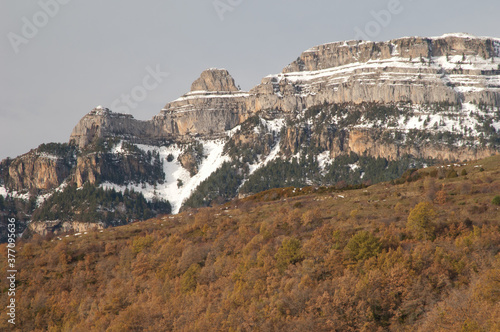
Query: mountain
{"x": 344, "y": 113}
{"x": 421, "y": 254}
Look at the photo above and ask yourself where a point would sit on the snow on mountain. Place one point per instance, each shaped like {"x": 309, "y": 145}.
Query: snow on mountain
{"x": 3, "y": 191}
{"x": 172, "y": 189}
{"x": 14, "y": 194}
{"x": 399, "y": 70}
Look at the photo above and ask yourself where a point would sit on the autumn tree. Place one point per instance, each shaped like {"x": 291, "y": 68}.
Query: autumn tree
{"x": 421, "y": 221}
{"x": 441, "y": 197}
{"x": 362, "y": 245}
{"x": 288, "y": 253}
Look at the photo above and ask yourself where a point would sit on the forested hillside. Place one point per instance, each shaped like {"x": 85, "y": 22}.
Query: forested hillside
{"x": 420, "y": 253}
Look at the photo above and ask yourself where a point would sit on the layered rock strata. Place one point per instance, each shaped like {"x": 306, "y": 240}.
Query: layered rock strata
{"x": 450, "y": 69}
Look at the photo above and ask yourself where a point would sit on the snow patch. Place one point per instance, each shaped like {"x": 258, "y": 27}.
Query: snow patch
{"x": 324, "y": 159}
{"x": 3, "y": 191}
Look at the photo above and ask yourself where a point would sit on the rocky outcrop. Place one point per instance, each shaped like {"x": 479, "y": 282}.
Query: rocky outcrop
{"x": 189, "y": 161}
{"x": 349, "y": 52}
{"x": 117, "y": 168}
{"x": 364, "y": 142}
{"x": 213, "y": 106}
{"x": 37, "y": 171}
{"x": 103, "y": 123}
{"x": 88, "y": 169}
{"x": 199, "y": 112}
{"x": 59, "y": 227}
{"x": 214, "y": 80}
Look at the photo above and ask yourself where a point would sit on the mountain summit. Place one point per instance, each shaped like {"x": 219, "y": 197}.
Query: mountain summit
{"x": 214, "y": 80}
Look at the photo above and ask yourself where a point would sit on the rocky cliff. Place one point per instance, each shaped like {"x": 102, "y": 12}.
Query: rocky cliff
{"x": 44, "y": 168}
{"x": 37, "y": 172}
{"x": 450, "y": 69}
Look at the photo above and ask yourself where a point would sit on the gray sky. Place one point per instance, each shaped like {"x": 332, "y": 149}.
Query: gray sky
{"x": 81, "y": 54}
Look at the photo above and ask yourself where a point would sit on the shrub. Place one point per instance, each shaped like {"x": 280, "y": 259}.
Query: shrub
{"x": 451, "y": 174}
{"x": 496, "y": 200}
{"x": 421, "y": 221}
{"x": 363, "y": 245}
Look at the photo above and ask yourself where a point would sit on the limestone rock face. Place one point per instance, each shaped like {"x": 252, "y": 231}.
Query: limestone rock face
{"x": 122, "y": 168}
{"x": 344, "y": 53}
{"x": 88, "y": 168}
{"x": 60, "y": 227}
{"x": 102, "y": 123}
{"x": 362, "y": 142}
{"x": 448, "y": 69}
{"x": 212, "y": 80}
{"x": 213, "y": 106}
{"x": 37, "y": 171}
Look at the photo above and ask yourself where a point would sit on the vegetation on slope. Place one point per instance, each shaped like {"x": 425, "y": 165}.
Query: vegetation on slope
{"x": 94, "y": 204}
{"x": 421, "y": 254}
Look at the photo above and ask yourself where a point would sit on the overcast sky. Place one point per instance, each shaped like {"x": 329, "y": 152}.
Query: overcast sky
{"x": 59, "y": 62}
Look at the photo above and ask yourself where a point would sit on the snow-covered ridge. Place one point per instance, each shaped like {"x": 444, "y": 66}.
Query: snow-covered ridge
{"x": 106, "y": 112}
{"x": 455, "y": 62}
{"x": 352, "y": 42}
{"x": 463, "y": 73}
{"x": 463, "y": 35}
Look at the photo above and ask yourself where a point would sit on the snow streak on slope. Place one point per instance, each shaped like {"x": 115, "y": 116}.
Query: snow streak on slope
{"x": 170, "y": 190}
{"x": 14, "y": 194}
{"x": 42, "y": 198}
{"x": 272, "y": 127}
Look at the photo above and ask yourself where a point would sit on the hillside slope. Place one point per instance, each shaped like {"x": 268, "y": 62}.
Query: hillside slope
{"x": 418, "y": 254}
